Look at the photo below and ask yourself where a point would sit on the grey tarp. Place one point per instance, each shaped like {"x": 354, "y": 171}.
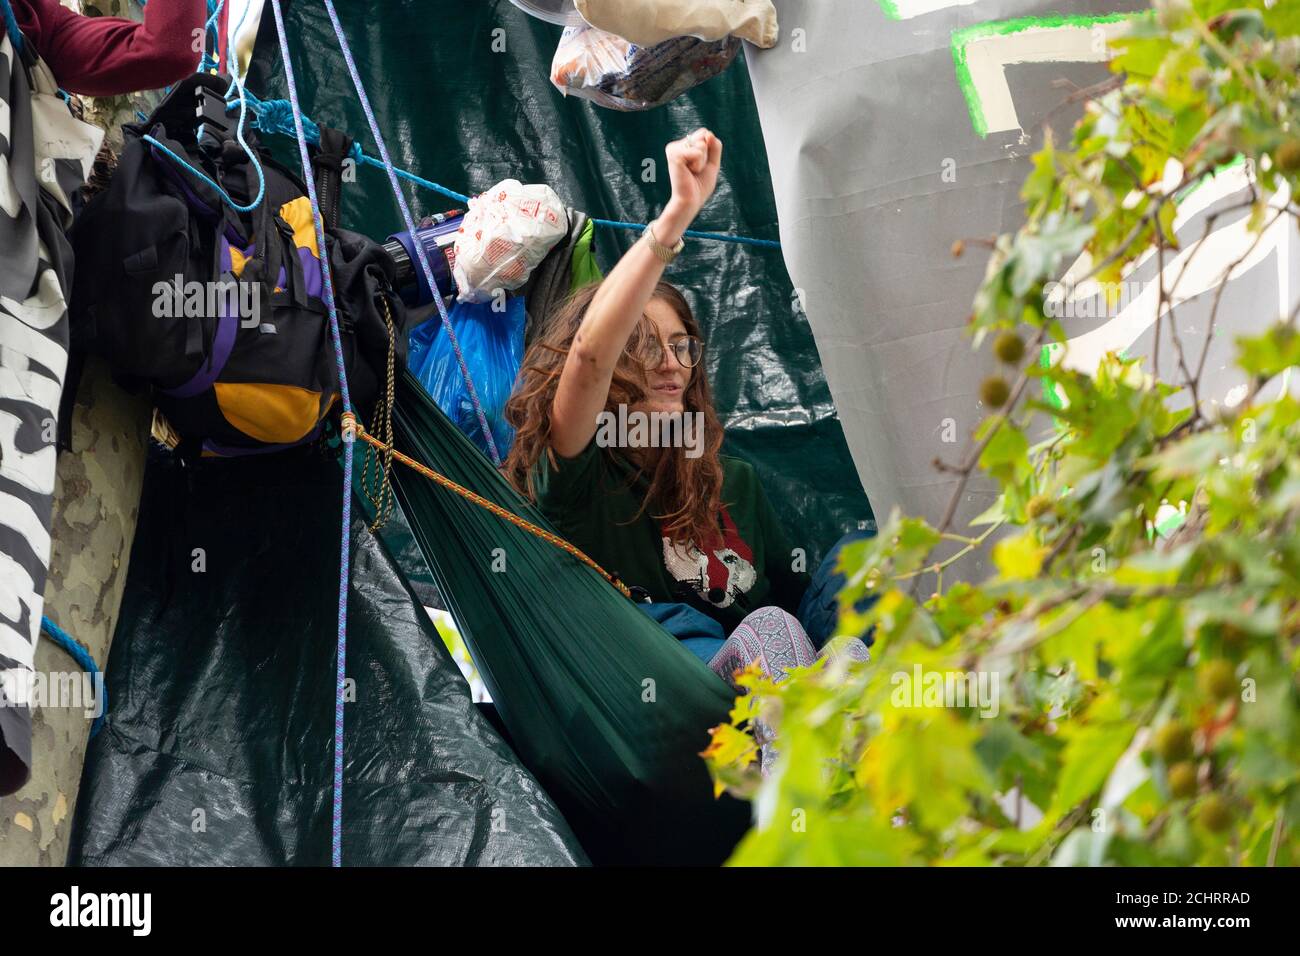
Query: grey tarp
{"x": 864, "y": 108}
{"x": 218, "y": 748}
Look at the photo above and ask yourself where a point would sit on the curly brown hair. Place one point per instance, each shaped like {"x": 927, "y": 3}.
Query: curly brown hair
{"x": 684, "y": 494}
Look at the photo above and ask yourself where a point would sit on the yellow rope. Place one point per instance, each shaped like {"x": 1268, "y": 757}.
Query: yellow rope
{"x": 381, "y": 495}
{"x": 351, "y": 427}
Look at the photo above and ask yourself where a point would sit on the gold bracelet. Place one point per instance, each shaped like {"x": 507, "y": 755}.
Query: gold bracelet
{"x": 665, "y": 254}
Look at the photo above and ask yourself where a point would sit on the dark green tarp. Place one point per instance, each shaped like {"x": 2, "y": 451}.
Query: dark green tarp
{"x": 461, "y": 92}
{"x": 218, "y": 746}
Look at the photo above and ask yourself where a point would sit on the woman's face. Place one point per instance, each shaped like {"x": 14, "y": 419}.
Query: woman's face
{"x": 667, "y": 381}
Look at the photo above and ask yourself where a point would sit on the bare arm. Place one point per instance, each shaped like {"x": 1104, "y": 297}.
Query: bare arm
{"x": 693, "y": 165}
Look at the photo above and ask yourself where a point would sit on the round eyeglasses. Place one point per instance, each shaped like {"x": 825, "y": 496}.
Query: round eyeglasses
{"x": 688, "y": 350}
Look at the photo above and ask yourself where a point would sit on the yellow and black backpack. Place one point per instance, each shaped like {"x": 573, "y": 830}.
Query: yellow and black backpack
{"x": 219, "y": 311}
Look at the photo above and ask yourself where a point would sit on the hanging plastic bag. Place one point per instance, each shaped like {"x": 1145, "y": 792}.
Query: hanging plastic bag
{"x": 613, "y": 72}
{"x": 560, "y": 12}
{"x": 420, "y": 339}
{"x": 647, "y": 22}
{"x": 492, "y": 343}
{"x": 508, "y": 230}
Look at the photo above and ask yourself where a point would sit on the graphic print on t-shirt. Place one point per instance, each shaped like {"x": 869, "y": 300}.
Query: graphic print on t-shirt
{"x": 720, "y": 572}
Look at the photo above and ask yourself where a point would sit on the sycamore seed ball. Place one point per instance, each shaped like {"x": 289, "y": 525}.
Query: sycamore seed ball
{"x": 1009, "y": 348}
{"x": 1217, "y": 680}
{"x": 1288, "y": 156}
{"x": 1182, "y": 779}
{"x": 995, "y": 391}
{"x": 1038, "y": 505}
{"x": 1233, "y": 636}
{"x": 1215, "y": 815}
{"x": 1173, "y": 742}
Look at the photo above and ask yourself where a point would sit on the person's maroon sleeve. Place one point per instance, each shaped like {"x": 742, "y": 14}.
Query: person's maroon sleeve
{"x": 104, "y": 56}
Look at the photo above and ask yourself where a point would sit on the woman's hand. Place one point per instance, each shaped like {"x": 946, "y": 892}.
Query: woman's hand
{"x": 693, "y": 164}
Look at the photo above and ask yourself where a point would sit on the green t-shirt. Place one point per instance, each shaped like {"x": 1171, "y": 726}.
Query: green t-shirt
{"x": 591, "y": 500}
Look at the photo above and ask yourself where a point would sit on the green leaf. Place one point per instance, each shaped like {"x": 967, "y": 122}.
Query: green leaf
{"x": 1006, "y": 457}
{"x": 996, "y": 512}
{"x": 1190, "y": 457}
{"x": 1141, "y": 57}
{"x": 1019, "y": 557}
{"x": 924, "y": 762}
{"x": 1087, "y": 761}
{"x": 1041, "y": 182}
{"x": 1037, "y": 258}
{"x": 1268, "y": 354}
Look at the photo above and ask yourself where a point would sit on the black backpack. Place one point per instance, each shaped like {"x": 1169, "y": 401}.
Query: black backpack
{"x": 179, "y": 291}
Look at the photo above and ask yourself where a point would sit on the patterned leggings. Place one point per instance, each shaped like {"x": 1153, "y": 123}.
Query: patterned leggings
{"x": 776, "y": 640}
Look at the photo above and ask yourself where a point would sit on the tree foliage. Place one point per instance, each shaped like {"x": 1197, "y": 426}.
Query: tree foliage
{"x": 1142, "y": 632}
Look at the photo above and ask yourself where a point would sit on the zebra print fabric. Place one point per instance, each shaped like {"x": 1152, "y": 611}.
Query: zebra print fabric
{"x": 45, "y": 155}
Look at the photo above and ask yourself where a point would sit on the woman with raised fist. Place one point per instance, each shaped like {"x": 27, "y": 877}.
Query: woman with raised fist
{"x": 618, "y": 441}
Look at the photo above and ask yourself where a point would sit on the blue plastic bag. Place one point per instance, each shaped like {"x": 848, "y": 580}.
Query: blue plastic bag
{"x": 492, "y": 343}
{"x": 420, "y": 339}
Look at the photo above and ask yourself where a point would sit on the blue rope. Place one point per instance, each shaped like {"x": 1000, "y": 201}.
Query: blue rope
{"x": 207, "y": 62}
{"x": 336, "y": 853}
{"x": 418, "y": 180}
{"x": 694, "y": 234}
{"x": 11, "y": 24}
{"x": 78, "y": 652}
{"x": 275, "y": 116}
{"x": 409, "y": 220}
{"x": 204, "y": 177}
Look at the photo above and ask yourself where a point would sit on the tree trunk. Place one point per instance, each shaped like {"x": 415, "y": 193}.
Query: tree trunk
{"x": 96, "y": 501}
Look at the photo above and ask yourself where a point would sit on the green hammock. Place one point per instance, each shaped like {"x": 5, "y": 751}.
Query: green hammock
{"x": 603, "y": 705}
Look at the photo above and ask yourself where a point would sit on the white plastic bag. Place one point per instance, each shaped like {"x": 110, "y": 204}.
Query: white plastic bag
{"x": 508, "y": 230}
{"x": 615, "y": 73}
{"x": 647, "y": 22}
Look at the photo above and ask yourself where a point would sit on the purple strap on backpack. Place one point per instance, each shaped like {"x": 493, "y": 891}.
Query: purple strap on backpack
{"x": 223, "y": 343}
